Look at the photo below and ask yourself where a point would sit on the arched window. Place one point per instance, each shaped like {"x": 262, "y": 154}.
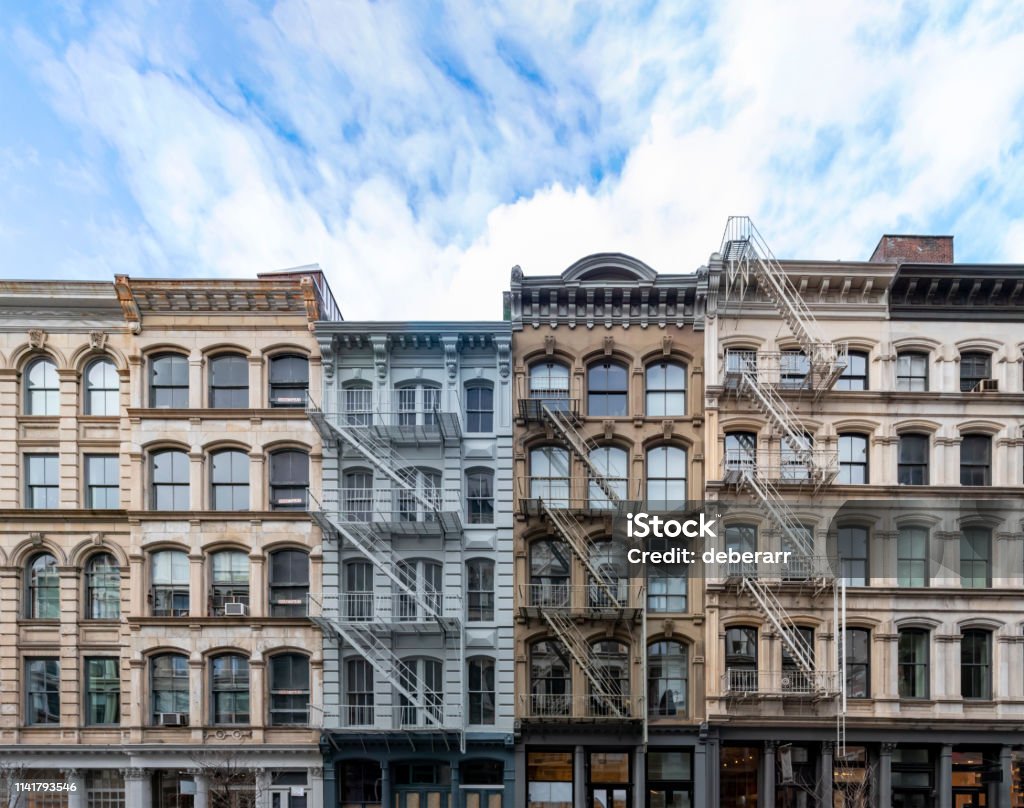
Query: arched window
{"x": 611, "y": 659}
{"x": 549, "y": 475}
{"x": 289, "y": 381}
{"x": 417, "y": 500}
{"x": 102, "y": 587}
{"x": 229, "y": 689}
{"x": 481, "y": 690}
{"x": 229, "y": 382}
{"x": 424, "y": 578}
{"x": 357, "y": 403}
{"x": 42, "y": 388}
{"x": 357, "y": 495}
{"x": 289, "y": 583}
{"x": 289, "y": 690}
{"x": 102, "y": 388}
{"x": 550, "y": 571}
{"x": 169, "y": 594}
{"x": 229, "y": 480}
{"x": 666, "y": 477}
{"x": 911, "y": 372}
{"x": 666, "y": 389}
{"x": 549, "y": 385}
{"x": 607, "y": 390}
{"x": 168, "y": 381}
{"x": 418, "y": 404}
{"x": 609, "y": 559}
{"x": 229, "y": 583}
{"x": 794, "y": 369}
{"x": 289, "y": 480}
{"x": 612, "y": 464}
{"x": 853, "y": 459}
{"x": 169, "y": 694}
{"x": 423, "y": 678}
{"x": 479, "y": 407}
{"x": 359, "y": 692}
{"x": 169, "y": 472}
{"x": 550, "y": 679}
{"x": 668, "y": 677}
{"x": 479, "y": 590}
{"x": 975, "y": 367}
{"x": 855, "y": 374}
{"x": 42, "y": 595}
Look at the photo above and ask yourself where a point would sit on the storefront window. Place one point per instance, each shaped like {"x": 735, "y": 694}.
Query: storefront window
{"x": 670, "y": 779}
{"x": 549, "y": 779}
{"x": 739, "y": 775}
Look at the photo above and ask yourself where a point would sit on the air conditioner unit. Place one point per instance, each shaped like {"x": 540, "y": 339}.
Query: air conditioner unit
{"x": 987, "y": 386}
{"x": 172, "y": 719}
{"x": 236, "y": 609}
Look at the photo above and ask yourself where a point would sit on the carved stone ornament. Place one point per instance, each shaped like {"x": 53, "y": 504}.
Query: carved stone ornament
{"x": 36, "y": 337}
{"x": 504, "y": 359}
{"x": 549, "y": 345}
{"x": 98, "y": 340}
{"x": 609, "y": 345}
{"x": 517, "y": 274}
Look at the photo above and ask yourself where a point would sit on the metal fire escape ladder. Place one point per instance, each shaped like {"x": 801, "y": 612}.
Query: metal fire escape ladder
{"x": 746, "y": 255}
{"x": 580, "y": 446}
{"x": 774, "y": 407}
{"x": 776, "y": 613}
{"x": 576, "y": 537}
{"x": 604, "y": 688}
{"x": 377, "y": 451}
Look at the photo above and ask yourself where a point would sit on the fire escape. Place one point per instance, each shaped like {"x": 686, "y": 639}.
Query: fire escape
{"x": 397, "y": 500}
{"x": 764, "y": 380}
{"x": 605, "y": 597}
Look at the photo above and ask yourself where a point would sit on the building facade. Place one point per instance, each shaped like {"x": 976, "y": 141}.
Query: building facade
{"x": 416, "y": 509}
{"x": 158, "y": 554}
{"x": 866, "y": 416}
{"x": 608, "y": 365}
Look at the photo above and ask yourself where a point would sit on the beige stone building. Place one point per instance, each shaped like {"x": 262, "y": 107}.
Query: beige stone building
{"x": 157, "y": 554}
{"x": 609, "y": 373}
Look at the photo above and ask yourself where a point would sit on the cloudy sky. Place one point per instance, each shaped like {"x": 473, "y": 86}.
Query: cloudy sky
{"x": 418, "y": 150}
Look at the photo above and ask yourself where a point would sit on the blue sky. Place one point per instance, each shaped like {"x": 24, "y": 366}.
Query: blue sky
{"x": 419, "y": 150}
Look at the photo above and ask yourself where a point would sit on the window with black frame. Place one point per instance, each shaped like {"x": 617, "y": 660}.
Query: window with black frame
{"x": 359, "y": 692}
{"x": 853, "y": 459}
{"x": 852, "y": 547}
{"x": 169, "y": 579}
{"x": 913, "y": 777}
{"x": 975, "y": 367}
{"x": 229, "y": 382}
{"x": 102, "y": 691}
{"x": 976, "y": 664}
{"x": 102, "y": 481}
{"x": 42, "y": 388}
{"x": 289, "y": 690}
{"x": 169, "y": 480}
{"x": 289, "y": 381}
{"x": 480, "y": 496}
{"x": 668, "y": 677}
{"x": 168, "y": 381}
{"x": 169, "y": 689}
{"x": 289, "y": 480}
{"x": 42, "y": 590}
{"x": 976, "y": 460}
{"x": 479, "y": 408}
{"x": 912, "y": 464}
{"x": 855, "y": 374}
{"x": 607, "y": 390}
{"x": 229, "y": 583}
{"x": 481, "y": 690}
{"x": 912, "y": 557}
{"x": 795, "y": 678}
{"x": 858, "y": 663}
{"x": 665, "y": 389}
{"x": 102, "y": 587}
{"x": 102, "y": 388}
{"x": 42, "y": 691}
{"x": 741, "y": 659}
{"x": 912, "y": 655}
{"x": 289, "y": 583}
{"x": 479, "y": 590}
{"x": 229, "y": 689}
{"x": 550, "y": 679}
{"x": 229, "y": 480}
{"x": 912, "y": 372}
{"x": 975, "y": 558}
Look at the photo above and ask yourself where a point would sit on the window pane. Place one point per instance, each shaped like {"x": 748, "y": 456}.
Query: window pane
{"x": 42, "y": 388}
{"x": 229, "y": 382}
{"x": 102, "y": 388}
{"x": 289, "y": 381}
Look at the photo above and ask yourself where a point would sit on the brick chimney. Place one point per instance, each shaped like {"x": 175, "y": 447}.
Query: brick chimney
{"x": 913, "y": 250}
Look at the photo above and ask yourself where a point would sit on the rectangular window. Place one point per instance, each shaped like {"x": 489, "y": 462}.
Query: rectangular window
{"x": 102, "y": 690}
{"x": 229, "y": 382}
{"x": 976, "y": 664}
{"x": 289, "y": 583}
{"x": 853, "y": 460}
{"x": 358, "y": 405}
{"x": 168, "y": 382}
{"x": 102, "y": 483}
{"x": 230, "y": 583}
{"x": 912, "y": 372}
{"x": 794, "y": 368}
{"x": 912, "y": 777}
{"x": 104, "y": 788}
{"x": 912, "y": 468}
{"x": 855, "y": 374}
{"x": 42, "y": 481}
{"x": 853, "y": 555}
{"x": 289, "y": 381}
{"x": 913, "y": 664}
{"x": 359, "y": 692}
{"x": 976, "y": 460}
{"x": 974, "y": 369}
{"x": 975, "y": 558}
{"x": 858, "y": 663}
{"x": 42, "y": 690}
{"x": 479, "y": 590}
{"x": 549, "y": 780}
{"x": 666, "y": 589}
{"x": 912, "y": 557}
{"x": 479, "y": 409}
{"x": 670, "y": 779}
{"x": 480, "y": 497}
{"x": 481, "y": 691}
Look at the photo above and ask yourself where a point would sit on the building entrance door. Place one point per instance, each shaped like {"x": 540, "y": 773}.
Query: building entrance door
{"x": 609, "y": 797}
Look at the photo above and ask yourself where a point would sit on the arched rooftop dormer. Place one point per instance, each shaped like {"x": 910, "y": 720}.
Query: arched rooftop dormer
{"x": 609, "y": 267}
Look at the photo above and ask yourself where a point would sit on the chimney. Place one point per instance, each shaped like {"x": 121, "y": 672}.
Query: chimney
{"x": 913, "y": 250}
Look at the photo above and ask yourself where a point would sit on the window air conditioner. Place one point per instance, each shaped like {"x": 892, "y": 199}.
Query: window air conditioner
{"x": 172, "y": 719}
{"x": 987, "y": 386}
{"x": 235, "y": 610}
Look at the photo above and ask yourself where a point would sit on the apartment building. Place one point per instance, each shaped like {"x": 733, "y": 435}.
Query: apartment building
{"x": 608, "y": 367}
{"x": 158, "y": 555}
{"x": 867, "y": 416}
{"x": 415, "y": 508}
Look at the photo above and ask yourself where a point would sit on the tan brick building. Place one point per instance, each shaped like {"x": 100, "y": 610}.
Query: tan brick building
{"x": 157, "y": 553}
{"x": 608, "y": 371}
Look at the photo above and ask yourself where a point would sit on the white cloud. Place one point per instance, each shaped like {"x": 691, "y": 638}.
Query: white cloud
{"x": 830, "y": 123}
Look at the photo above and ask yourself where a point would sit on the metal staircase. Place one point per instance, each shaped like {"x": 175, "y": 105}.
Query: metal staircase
{"x": 748, "y": 260}
{"x": 604, "y": 689}
{"x": 564, "y": 426}
{"x": 570, "y": 529}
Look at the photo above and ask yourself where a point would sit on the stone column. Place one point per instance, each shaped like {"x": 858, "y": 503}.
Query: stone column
{"x": 825, "y": 779}
{"x": 768, "y": 776}
{"x": 257, "y": 584}
{"x": 315, "y": 779}
{"x": 509, "y": 792}
{"x": 258, "y": 497}
{"x": 455, "y": 799}
{"x": 197, "y": 397}
{"x": 257, "y": 687}
{"x": 579, "y": 778}
{"x": 197, "y": 600}
{"x": 700, "y": 773}
{"x": 1004, "y": 786}
{"x": 639, "y": 776}
{"x": 885, "y": 775}
{"x": 75, "y": 777}
{"x": 385, "y": 784}
{"x": 521, "y": 785}
{"x": 329, "y": 787}
{"x": 202, "y": 796}
{"x": 257, "y": 391}
{"x": 138, "y": 787}
{"x": 195, "y": 685}
{"x": 946, "y": 776}
{"x": 197, "y": 494}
